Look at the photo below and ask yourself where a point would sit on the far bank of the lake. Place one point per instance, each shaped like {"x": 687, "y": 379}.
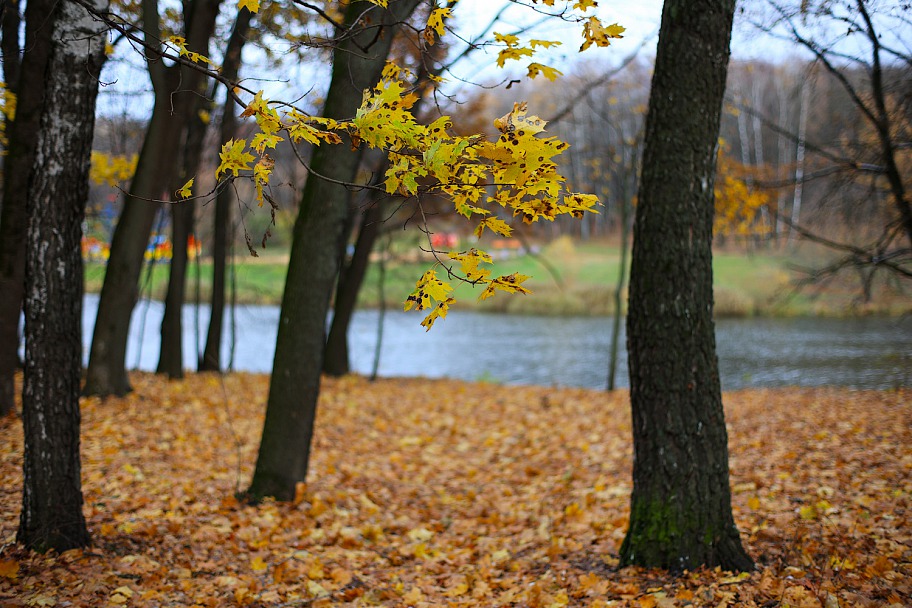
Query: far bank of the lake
{"x": 567, "y": 280}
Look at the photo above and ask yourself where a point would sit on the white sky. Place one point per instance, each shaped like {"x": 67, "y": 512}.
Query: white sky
{"x": 640, "y": 18}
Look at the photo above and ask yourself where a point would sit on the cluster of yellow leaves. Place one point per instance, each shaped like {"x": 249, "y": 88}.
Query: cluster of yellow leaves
{"x": 443, "y": 493}
{"x": 594, "y": 33}
{"x": 516, "y": 172}
{"x": 738, "y": 204}
{"x": 7, "y": 112}
{"x": 235, "y": 157}
{"x": 426, "y": 159}
{"x": 519, "y": 165}
{"x": 180, "y": 44}
{"x": 513, "y": 51}
{"x": 112, "y": 169}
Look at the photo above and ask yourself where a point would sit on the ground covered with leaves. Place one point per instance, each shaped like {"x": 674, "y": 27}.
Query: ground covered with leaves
{"x": 444, "y": 493}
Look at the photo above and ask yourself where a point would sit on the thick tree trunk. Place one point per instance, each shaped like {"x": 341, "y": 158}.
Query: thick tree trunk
{"x": 176, "y": 100}
{"x": 212, "y": 355}
{"x": 51, "y": 515}
{"x": 29, "y": 85}
{"x": 315, "y": 260}
{"x": 680, "y": 508}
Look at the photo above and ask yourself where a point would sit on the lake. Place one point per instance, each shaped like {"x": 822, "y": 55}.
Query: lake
{"x": 857, "y": 353}
{"x": 550, "y": 351}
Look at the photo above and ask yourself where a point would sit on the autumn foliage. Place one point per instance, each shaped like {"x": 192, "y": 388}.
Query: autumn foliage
{"x": 442, "y": 493}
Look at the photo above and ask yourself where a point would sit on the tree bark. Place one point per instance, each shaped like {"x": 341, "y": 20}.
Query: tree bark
{"x": 176, "y": 100}
{"x": 51, "y": 516}
{"x": 212, "y": 354}
{"x": 680, "y": 507}
{"x": 27, "y": 81}
{"x": 315, "y": 260}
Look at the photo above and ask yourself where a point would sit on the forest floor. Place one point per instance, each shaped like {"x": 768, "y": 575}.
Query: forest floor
{"x": 445, "y": 493}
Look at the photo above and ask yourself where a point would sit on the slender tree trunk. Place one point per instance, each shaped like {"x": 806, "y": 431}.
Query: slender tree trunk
{"x": 624, "y": 201}
{"x": 51, "y": 516}
{"x": 680, "y": 509}
{"x": 336, "y": 359}
{"x": 176, "y": 98}
{"x": 757, "y": 128}
{"x": 806, "y": 86}
{"x": 212, "y": 354}
{"x": 171, "y": 356}
{"x": 28, "y": 83}
{"x": 381, "y": 312}
{"x": 315, "y": 260}
{"x": 784, "y": 150}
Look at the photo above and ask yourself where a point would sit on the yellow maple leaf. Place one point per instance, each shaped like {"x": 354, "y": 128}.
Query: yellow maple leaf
{"x": 495, "y": 225}
{"x": 435, "y": 24}
{"x": 186, "y": 190}
{"x": 547, "y": 71}
{"x": 508, "y": 39}
{"x": 469, "y": 261}
{"x": 9, "y": 568}
{"x": 233, "y": 157}
{"x": 251, "y": 5}
{"x": 511, "y": 283}
{"x": 599, "y": 35}
{"x": 512, "y": 52}
{"x": 261, "y": 141}
{"x": 257, "y": 564}
{"x": 585, "y": 5}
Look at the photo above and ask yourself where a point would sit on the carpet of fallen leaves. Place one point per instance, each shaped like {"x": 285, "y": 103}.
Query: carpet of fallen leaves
{"x": 444, "y": 493}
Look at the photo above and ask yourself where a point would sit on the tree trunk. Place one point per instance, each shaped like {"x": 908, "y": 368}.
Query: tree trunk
{"x": 212, "y": 355}
{"x": 51, "y": 516}
{"x": 315, "y": 260}
{"x": 806, "y": 86}
{"x": 176, "y": 98}
{"x": 29, "y": 86}
{"x": 629, "y": 169}
{"x": 336, "y": 361}
{"x": 680, "y": 514}
{"x": 171, "y": 355}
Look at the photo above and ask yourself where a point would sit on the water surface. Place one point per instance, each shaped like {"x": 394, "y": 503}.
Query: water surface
{"x": 857, "y": 353}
